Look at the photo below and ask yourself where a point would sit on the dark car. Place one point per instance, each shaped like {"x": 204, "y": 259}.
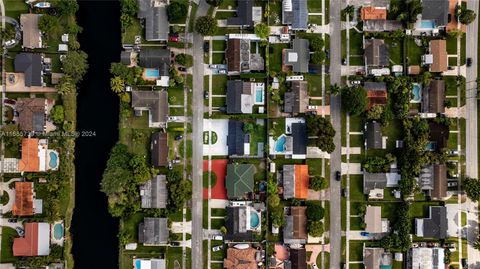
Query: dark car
{"x": 10, "y": 101}
{"x": 12, "y": 220}
{"x": 464, "y": 263}
{"x": 175, "y": 244}
{"x": 181, "y": 68}
{"x": 469, "y": 62}
{"x": 344, "y": 61}
{"x": 205, "y": 94}
{"x": 178, "y": 137}
{"x": 338, "y": 176}
{"x": 206, "y": 46}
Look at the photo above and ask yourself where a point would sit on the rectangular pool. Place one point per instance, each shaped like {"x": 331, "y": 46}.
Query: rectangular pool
{"x": 151, "y": 73}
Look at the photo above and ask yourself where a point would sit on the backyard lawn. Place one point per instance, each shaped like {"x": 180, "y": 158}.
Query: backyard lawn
{"x": 395, "y": 50}
{"x": 414, "y": 52}
{"x": 276, "y": 56}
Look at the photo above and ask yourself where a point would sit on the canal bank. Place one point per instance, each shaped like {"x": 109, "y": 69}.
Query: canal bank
{"x": 94, "y": 231}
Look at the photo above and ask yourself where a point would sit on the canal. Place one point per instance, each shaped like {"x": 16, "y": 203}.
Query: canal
{"x": 94, "y": 231}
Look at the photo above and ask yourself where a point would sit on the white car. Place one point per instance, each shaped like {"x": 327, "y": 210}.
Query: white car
{"x": 172, "y": 118}
{"x": 223, "y": 71}
{"x": 213, "y": 66}
{"x": 314, "y": 266}
{"x": 218, "y": 237}
{"x": 217, "y": 248}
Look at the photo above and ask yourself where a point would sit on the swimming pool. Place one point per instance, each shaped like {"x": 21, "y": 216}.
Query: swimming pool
{"x": 254, "y": 220}
{"x": 426, "y": 24}
{"x": 259, "y": 95}
{"x": 58, "y": 231}
{"x": 431, "y": 146}
{"x": 417, "y": 93}
{"x": 152, "y": 73}
{"x": 280, "y": 144}
{"x": 53, "y": 163}
{"x": 138, "y": 264}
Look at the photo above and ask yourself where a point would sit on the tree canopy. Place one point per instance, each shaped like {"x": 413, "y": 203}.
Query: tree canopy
{"x": 472, "y": 188}
{"x": 206, "y": 25}
{"x": 75, "y": 65}
{"x": 323, "y": 129}
{"x": 315, "y": 228}
{"x": 184, "y": 59}
{"x": 176, "y": 11}
{"x": 262, "y": 30}
{"x": 465, "y": 15}
{"x": 317, "y": 183}
{"x": 57, "y": 114}
{"x": 315, "y": 211}
{"x": 354, "y": 100}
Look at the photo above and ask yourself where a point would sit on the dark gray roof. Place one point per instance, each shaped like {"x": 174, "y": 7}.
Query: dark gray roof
{"x": 374, "y": 135}
{"x": 288, "y": 181}
{"x": 244, "y": 14}
{"x": 159, "y": 149}
{"x": 236, "y": 138}
{"x": 298, "y": 257}
{"x": 295, "y": 13}
{"x": 143, "y": 8}
{"x": 154, "y": 192}
{"x": 155, "y": 58}
{"x": 299, "y": 134}
{"x": 433, "y": 97}
{"x": 374, "y": 181}
{"x": 153, "y": 231}
{"x": 125, "y": 57}
{"x": 375, "y": 86}
{"x": 436, "y": 225}
{"x": 296, "y": 101}
{"x": 155, "y": 101}
{"x": 31, "y": 65}
{"x": 376, "y": 53}
{"x": 156, "y": 24}
{"x": 436, "y": 10}
{"x": 299, "y": 56}
{"x": 235, "y": 224}
{"x": 234, "y": 96}
{"x": 381, "y": 25}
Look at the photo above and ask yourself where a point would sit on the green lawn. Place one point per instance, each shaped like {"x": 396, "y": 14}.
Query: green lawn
{"x": 314, "y": 6}
{"x": 356, "y": 141}
{"x": 6, "y": 254}
{"x": 217, "y": 223}
{"x": 219, "y": 45}
{"x": 219, "y": 84}
{"x": 451, "y": 45}
{"x": 276, "y": 56}
{"x": 223, "y": 15}
{"x": 228, "y": 4}
{"x": 414, "y": 52}
{"x": 275, "y": 15}
{"x": 175, "y": 254}
{"x": 356, "y": 43}
{"x": 420, "y": 209}
{"x": 14, "y": 8}
{"x": 314, "y": 84}
{"x": 356, "y": 223}
{"x": 395, "y": 50}
{"x": 356, "y": 251}
{"x": 315, "y": 19}
{"x": 128, "y": 37}
{"x": 218, "y": 58}
{"x": 134, "y": 126}
{"x": 356, "y": 188}
{"x": 218, "y": 101}
{"x": 176, "y": 95}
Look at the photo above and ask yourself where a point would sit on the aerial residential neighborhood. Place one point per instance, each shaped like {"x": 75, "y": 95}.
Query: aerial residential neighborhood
{"x": 239, "y": 134}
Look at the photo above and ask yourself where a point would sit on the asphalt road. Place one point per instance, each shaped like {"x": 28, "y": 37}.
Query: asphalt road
{"x": 197, "y": 141}
{"x": 335, "y": 157}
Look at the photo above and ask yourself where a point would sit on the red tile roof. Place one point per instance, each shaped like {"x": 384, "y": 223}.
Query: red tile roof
{"x": 374, "y": 13}
{"x": 301, "y": 181}
{"x": 376, "y": 98}
{"x": 23, "y": 205}
{"x": 27, "y": 245}
{"x": 30, "y": 161}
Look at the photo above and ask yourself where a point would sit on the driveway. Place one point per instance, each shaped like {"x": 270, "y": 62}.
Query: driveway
{"x": 452, "y": 219}
{"x": 220, "y": 127}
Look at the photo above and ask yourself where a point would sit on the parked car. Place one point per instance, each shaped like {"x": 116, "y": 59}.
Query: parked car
{"x": 314, "y": 266}
{"x": 345, "y": 192}
{"x": 344, "y": 61}
{"x": 205, "y": 94}
{"x": 10, "y": 101}
{"x": 181, "y": 68}
{"x": 170, "y": 166}
{"x": 222, "y": 71}
{"x": 469, "y": 62}
{"x": 172, "y": 118}
{"x": 173, "y": 39}
{"x": 213, "y": 66}
{"x": 364, "y": 234}
{"x": 355, "y": 82}
{"x": 206, "y": 46}
{"x": 174, "y": 244}
{"x": 453, "y": 152}
{"x": 217, "y": 248}
{"x": 464, "y": 263}
{"x": 452, "y": 183}
{"x": 178, "y": 137}
{"x": 20, "y": 231}
{"x": 218, "y": 237}
{"x": 12, "y": 220}
{"x": 176, "y": 161}
{"x": 338, "y": 176}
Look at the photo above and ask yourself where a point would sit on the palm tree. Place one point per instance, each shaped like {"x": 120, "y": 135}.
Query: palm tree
{"x": 66, "y": 85}
{"x": 334, "y": 89}
{"x": 117, "y": 84}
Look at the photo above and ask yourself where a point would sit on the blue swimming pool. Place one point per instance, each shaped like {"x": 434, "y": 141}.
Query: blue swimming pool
{"x": 254, "y": 219}
{"x": 259, "y": 95}
{"x": 53, "y": 160}
{"x": 152, "y": 73}
{"x": 417, "y": 93}
{"x": 280, "y": 144}
{"x": 137, "y": 264}
{"x": 427, "y": 24}
{"x": 58, "y": 231}
{"x": 431, "y": 146}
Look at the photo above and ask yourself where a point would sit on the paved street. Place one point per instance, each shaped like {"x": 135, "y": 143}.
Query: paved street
{"x": 197, "y": 140}
{"x": 335, "y": 112}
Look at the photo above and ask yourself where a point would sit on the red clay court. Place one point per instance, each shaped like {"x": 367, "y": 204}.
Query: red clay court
{"x": 219, "y": 167}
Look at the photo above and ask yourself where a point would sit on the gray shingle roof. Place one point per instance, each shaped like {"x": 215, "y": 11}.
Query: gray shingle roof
{"x": 235, "y": 224}
{"x": 159, "y": 149}
{"x": 374, "y": 135}
{"x": 433, "y": 97}
{"x": 435, "y": 226}
{"x": 436, "y": 10}
{"x": 31, "y": 65}
{"x": 296, "y": 101}
{"x": 376, "y": 53}
{"x": 244, "y": 14}
{"x": 374, "y": 181}
{"x": 298, "y": 57}
{"x": 295, "y": 13}
{"x": 381, "y": 25}
{"x": 156, "y": 24}
{"x": 154, "y": 192}
{"x": 153, "y": 231}
{"x": 155, "y": 58}
{"x": 155, "y": 101}
{"x": 288, "y": 181}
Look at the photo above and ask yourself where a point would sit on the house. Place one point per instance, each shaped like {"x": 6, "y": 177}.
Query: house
{"x": 295, "y": 14}
{"x": 30, "y": 64}
{"x": 156, "y": 103}
{"x": 242, "y": 96}
{"x": 435, "y": 12}
{"x": 298, "y": 258}
{"x": 376, "y": 54}
{"x": 32, "y": 114}
{"x": 297, "y": 58}
{"x": 245, "y": 258}
{"x": 24, "y": 200}
{"x": 376, "y": 93}
{"x": 154, "y": 192}
{"x": 238, "y": 142}
{"x": 144, "y": 263}
{"x": 433, "y": 181}
{"x": 295, "y": 229}
{"x": 375, "y": 258}
{"x": 241, "y": 222}
{"x": 438, "y": 136}
{"x": 31, "y": 36}
{"x": 35, "y": 242}
{"x": 300, "y": 139}
{"x": 373, "y": 220}
{"x": 435, "y": 226}
{"x": 295, "y": 181}
{"x": 239, "y": 57}
{"x": 154, "y": 13}
{"x": 239, "y": 180}
{"x": 426, "y": 258}
{"x": 296, "y": 100}
{"x": 156, "y": 58}
{"x": 373, "y": 13}
{"x": 373, "y": 184}
{"x": 159, "y": 149}
{"x": 153, "y": 232}
{"x": 127, "y": 57}
{"x": 247, "y": 14}
{"x": 433, "y": 98}
{"x": 382, "y": 25}
{"x": 36, "y": 157}
{"x": 373, "y": 139}
{"x": 437, "y": 57}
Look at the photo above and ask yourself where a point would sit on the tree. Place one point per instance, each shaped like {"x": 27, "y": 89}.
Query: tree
{"x": 455, "y": 33}
{"x": 315, "y": 228}
{"x": 321, "y": 128}
{"x": 334, "y": 89}
{"x": 67, "y": 7}
{"x": 49, "y": 24}
{"x": 277, "y": 216}
{"x": 12, "y": 137}
{"x": 179, "y": 190}
{"x": 375, "y": 112}
{"x": 426, "y": 78}
{"x": 317, "y": 183}
{"x": 176, "y": 11}
{"x": 414, "y": 8}
{"x": 354, "y": 100}
{"x": 206, "y": 25}
{"x": 262, "y": 30}
{"x": 8, "y": 33}
{"x": 66, "y": 85}
{"x": 141, "y": 171}
{"x": 117, "y": 84}
{"x": 184, "y": 59}
{"x": 75, "y": 65}
{"x": 273, "y": 200}
{"x": 378, "y": 164}
{"x": 315, "y": 211}
{"x": 129, "y": 7}
{"x": 318, "y": 57}
{"x": 215, "y": 3}
{"x": 316, "y": 43}
{"x": 465, "y": 16}
{"x": 57, "y": 114}
{"x": 249, "y": 127}
{"x": 472, "y": 188}
{"x": 348, "y": 11}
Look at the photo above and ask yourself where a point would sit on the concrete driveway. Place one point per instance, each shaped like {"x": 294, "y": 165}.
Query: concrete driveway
{"x": 452, "y": 219}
